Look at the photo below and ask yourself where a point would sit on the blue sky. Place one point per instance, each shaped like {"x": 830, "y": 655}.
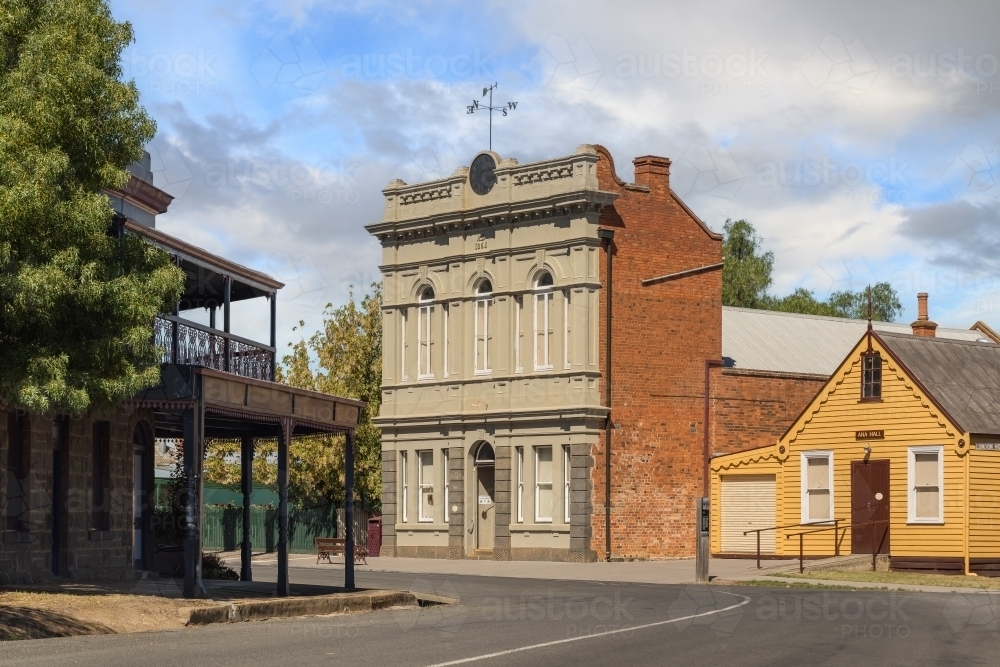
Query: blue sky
{"x": 861, "y": 139}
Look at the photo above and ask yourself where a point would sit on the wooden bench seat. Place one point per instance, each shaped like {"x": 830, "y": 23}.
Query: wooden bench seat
{"x": 327, "y": 547}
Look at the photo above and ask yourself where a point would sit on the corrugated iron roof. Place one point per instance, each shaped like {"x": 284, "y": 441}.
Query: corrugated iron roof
{"x": 962, "y": 377}
{"x": 767, "y": 340}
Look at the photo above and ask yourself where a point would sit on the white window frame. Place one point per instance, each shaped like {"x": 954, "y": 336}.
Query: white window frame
{"x": 539, "y": 485}
{"x": 481, "y": 366}
{"x": 518, "y": 368}
{"x": 404, "y": 489}
{"x": 520, "y": 484}
{"x": 566, "y": 329}
{"x": 543, "y": 295}
{"x": 402, "y": 344}
{"x": 804, "y": 483}
{"x": 445, "y": 457}
{"x": 424, "y": 485}
{"x": 425, "y": 309}
{"x": 911, "y": 472}
{"x": 566, "y": 471}
{"x": 444, "y": 356}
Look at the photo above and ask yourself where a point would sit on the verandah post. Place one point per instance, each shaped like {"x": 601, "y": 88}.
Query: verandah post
{"x": 284, "y": 439}
{"x": 349, "y": 510}
{"x": 246, "y": 480}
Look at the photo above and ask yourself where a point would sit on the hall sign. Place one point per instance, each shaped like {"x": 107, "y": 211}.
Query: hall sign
{"x": 988, "y": 446}
{"x": 877, "y": 434}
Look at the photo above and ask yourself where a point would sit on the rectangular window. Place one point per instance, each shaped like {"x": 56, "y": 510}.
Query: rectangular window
{"x": 925, "y": 482}
{"x": 444, "y": 357}
{"x": 566, "y": 483}
{"x": 18, "y": 462}
{"x": 543, "y": 302}
{"x": 517, "y": 335}
{"x": 404, "y": 489}
{"x": 425, "y": 480}
{"x": 101, "y": 468}
{"x": 871, "y": 386}
{"x": 520, "y": 485}
{"x": 566, "y": 329}
{"x": 482, "y": 335}
{"x": 446, "y": 484}
{"x": 424, "y": 369}
{"x": 402, "y": 344}
{"x": 543, "y": 484}
{"x": 817, "y": 486}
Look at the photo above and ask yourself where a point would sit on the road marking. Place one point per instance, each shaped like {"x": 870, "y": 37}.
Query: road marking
{"x": 497, "y": 654}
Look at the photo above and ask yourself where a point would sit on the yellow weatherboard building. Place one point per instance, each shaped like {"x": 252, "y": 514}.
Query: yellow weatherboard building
{"x": 898, "y": 454}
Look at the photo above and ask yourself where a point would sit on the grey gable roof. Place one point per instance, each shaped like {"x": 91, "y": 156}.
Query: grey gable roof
{"x": 962, "y": 377}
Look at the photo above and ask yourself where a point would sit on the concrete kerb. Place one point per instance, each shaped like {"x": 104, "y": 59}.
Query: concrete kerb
{"x": 320, "y": 605}
{"x": 836, "y": 583}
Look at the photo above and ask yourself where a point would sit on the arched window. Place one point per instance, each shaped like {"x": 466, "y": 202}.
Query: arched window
{"x": 425, "y": 309}
{"x": 485, "y": 455}
{"x": 542, "y": 317}
{"x": 481, "y": 348}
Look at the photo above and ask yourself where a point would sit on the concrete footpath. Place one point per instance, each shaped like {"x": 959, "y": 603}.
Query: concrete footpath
{"x": 679, "y": 571}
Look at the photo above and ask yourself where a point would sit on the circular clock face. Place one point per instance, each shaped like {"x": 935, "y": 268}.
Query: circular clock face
{"x": 481, "y": 174}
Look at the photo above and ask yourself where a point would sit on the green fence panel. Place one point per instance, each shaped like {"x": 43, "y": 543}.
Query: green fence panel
{"x": 223, "y": 527}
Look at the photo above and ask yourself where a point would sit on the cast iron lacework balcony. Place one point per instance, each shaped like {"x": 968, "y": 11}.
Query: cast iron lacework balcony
{"x": 213, "y": 284}
{"x": 189, "y": 343}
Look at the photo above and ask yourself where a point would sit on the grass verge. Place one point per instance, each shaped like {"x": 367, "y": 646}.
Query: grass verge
{"x": 949, "y": 581}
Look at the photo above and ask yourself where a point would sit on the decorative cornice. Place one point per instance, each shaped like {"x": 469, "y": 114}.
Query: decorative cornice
{"x": 580, "y": 201}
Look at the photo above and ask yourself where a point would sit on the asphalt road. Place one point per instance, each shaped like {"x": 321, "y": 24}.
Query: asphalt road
{"x": 531, "y": 622}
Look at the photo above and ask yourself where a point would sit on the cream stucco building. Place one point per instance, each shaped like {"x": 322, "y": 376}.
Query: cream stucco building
{"x": 491, "y": 394}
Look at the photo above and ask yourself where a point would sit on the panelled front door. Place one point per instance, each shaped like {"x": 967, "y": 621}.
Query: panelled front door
{"x": 869, "y": 502}
{"x": 486, "y": 513}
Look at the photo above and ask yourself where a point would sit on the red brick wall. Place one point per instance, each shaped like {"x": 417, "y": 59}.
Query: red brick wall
{"x": 755, "y": 409}
{"x": 662, "y": 335}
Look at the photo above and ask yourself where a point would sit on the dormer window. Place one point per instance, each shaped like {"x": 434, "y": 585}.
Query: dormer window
{"x": 871, "y": 381}
{"x": 481, "y": 350}
{"x": 425, "y": 309}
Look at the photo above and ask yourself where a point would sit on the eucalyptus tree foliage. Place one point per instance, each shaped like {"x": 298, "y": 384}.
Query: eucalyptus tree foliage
{"x": 746, "y": 278}
{"x": 344, "y": 358}
{"x": 76, "y": 303}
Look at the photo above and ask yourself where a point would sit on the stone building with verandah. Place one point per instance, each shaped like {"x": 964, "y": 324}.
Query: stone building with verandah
{"x": 77, "y": 493}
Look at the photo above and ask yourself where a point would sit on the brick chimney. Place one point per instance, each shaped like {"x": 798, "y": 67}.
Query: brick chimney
{"x": 923, "y": 326}
{"x": 652, "y": 171}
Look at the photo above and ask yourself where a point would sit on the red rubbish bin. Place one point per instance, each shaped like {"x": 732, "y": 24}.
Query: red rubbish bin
{"x": 374, "y": 536}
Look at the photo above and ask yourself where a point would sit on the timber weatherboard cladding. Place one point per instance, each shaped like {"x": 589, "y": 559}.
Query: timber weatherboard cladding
{"x": 984, "y": 504}
{"x": 908, "y": 417}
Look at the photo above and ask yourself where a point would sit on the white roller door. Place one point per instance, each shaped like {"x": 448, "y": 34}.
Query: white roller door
{"x": 747, "y": 503}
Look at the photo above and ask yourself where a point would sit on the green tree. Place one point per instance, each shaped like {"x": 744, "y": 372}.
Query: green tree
{"x": 886, "y": 306}
{"x": 347, "y": 353}
{"x": 746, "y": 275}
{"x": 76, "y": 304}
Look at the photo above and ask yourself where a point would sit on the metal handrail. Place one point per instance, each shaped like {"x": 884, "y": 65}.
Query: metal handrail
{"x": 835, "y": 528}
{"x": 215, "y": 332}
{"x": 836, "y": 544}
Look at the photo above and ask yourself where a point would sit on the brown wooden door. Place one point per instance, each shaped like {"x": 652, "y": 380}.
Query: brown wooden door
{"x": 869, "y": 502}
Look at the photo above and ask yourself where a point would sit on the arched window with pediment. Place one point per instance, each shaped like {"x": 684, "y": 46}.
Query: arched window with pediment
{"x": 543, "y": 321}
{"x": 425, "y": 311}
{"x": 481, "y": 328}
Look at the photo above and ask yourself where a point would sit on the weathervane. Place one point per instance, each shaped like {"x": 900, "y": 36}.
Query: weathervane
{"x": 474, "y": 107}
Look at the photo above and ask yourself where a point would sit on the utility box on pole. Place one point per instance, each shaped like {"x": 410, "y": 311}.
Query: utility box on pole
{"x": 702, "y": 509}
